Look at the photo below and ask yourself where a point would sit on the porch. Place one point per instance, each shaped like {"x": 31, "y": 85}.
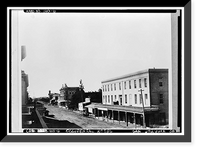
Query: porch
{"x": 128, "y": 115}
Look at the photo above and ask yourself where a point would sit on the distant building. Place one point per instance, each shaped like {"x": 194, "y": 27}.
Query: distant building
{"x": 66, "y": 92}
{"x": 54, "y": 96}
{"x": 81, "y": 105}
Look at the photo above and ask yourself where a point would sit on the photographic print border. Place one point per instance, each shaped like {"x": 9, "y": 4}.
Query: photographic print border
{"x": 131, "y": 138}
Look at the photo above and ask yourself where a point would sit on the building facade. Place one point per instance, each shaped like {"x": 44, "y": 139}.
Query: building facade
{"x": 24, "y": 79}
{"x": 54, "y": 96}
{"x": 66, "y": 92}
{"x": 144, "y": 89}
{"x": 25, "y": 85}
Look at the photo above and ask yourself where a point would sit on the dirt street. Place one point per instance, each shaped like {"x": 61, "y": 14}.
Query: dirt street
{"x": 80, "y": 120}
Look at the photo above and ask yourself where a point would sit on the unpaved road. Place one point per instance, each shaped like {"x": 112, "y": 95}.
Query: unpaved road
{"x": 80, "y": 120}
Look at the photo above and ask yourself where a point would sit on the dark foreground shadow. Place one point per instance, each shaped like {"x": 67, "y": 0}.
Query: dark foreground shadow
{"x": 54, "y": 123}
{"x": 50, "y": 122}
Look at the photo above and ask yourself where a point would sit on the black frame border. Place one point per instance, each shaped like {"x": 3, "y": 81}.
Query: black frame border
{"x": 186, "y": 138}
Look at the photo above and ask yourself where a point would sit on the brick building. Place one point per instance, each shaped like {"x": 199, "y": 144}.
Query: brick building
{"x": 66, "y": 92}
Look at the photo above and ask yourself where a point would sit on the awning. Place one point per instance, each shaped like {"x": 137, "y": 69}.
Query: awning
{"x": 121, "y": 108}
{"x": 103, "y": 109}
{"x": 91, "y": 106}
{"x": 95, "y": 106}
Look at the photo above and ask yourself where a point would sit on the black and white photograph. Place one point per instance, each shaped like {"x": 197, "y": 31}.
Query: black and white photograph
{"x": 96, "y": 71}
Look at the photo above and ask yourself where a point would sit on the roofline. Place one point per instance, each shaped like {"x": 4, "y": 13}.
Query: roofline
{"x": 72, "y": 87}
{"x": 123, "y": 108}
{"x": 68, "y": 88}
{"x": 135, "y": 73}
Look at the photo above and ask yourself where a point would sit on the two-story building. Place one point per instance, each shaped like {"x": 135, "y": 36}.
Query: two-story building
{"x": 66, "y": 92}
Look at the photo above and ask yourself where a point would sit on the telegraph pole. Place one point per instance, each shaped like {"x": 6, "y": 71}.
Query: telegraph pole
{"x": 144, "y": 124}
{"x": 81, "y": 89}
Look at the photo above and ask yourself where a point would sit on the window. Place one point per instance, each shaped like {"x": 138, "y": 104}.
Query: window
{"x": 129, "y": 84}
{"x": 111, "y": 87}
{"x": 135, "y": 98}
{"x": 105, "y": 88}
{"x": 106, "y": 99}
{"x": 145, "y": 82}
{"x": 140, "y": 83}
{"x": 108, "y": 87}
{"x": 119, "y": 85}
{"x": 120, "y": 99}
{"x": 141, "y": 98}
{"x": 161, "y": 98}
{"x": 130, "y": 98}
{"x": 109, "y": 99}
{"x": 160, "y": 80}
{"x": 135, "y": 86}
{"x": 146, "y": 98}
{"x": 115, "y": 97}
{"x": 125, "y": 85}
{"x": 115, "y": 86}
{"x": 125, "y": 98}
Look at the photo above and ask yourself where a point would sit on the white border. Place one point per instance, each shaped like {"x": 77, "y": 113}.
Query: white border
{"x": 96, "y": 8}
{"x": 182, "y": 71}
{"x": 8, "y": 72}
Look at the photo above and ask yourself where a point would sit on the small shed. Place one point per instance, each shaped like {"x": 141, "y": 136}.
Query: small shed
{"x": 81, "y": 106}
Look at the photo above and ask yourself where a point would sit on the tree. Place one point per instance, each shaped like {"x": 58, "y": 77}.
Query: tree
{"x": 78, "y": 97}
{"x": 100, "y": 90}
{"x": 95, "y": 96}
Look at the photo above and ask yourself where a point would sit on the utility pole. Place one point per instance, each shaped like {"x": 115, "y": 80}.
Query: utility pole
{"x": 81, "y": 87}
{"x": 144, "y": 124}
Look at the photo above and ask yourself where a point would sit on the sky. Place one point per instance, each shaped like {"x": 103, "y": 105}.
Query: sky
{"x": 66, "y": 47}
